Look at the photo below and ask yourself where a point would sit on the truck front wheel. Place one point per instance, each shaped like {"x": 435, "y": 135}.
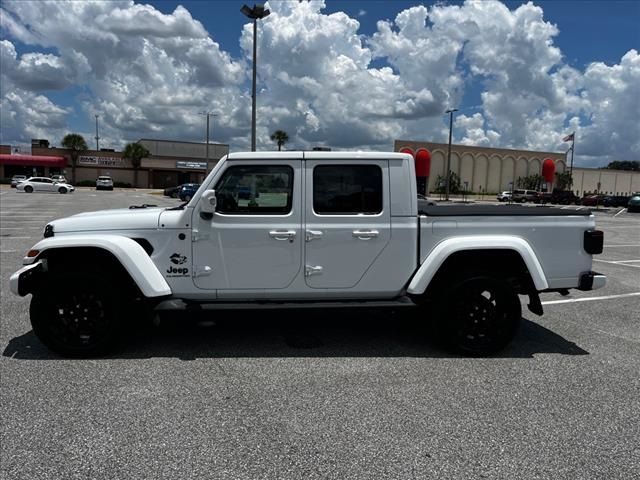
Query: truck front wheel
{"x": 479, "y": 315}
{"x": 76, "y": 315}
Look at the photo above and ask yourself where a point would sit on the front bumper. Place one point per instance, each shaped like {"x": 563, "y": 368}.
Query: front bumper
{"x": 592, "y": 281}
{"x": 23, "y": 281}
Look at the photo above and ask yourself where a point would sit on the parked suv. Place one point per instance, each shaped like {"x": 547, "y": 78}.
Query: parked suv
{"x": 188, "y": 190}
{"x": 104, "y": 182}
{"x": 522, "y": 196}
{"x": 59, "y": 178}
{"x": 559, "y": 197}
{"x": 504, "y": 196}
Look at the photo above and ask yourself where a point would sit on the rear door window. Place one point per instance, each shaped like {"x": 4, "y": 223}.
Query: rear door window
{"x": 347, "y": 189}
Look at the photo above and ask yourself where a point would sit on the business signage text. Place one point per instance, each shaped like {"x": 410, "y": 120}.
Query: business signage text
{"x": 101, "y": 161}
{"x": 192, "y": 165}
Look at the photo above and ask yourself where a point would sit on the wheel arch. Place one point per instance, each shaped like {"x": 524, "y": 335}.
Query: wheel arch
{"x": 122, "y": 255}
{"x": 494, "y": 253}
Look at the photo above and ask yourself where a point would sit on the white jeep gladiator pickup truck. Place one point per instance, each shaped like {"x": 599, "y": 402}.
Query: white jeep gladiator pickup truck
{"x": 296, "y": 229}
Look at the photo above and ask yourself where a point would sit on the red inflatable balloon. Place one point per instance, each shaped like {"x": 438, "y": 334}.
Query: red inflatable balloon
{"x": 423, "y": 162}
{"x": 406, "y": 150}
{"x": 548, "y": 170}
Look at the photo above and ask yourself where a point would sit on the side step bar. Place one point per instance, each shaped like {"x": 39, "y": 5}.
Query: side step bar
{"x": 177, "y": 304}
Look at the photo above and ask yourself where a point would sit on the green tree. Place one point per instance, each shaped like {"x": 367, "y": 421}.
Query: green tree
{"x": 454, "y": 183}
{"x": 531, "y": 182}
{"x": 135, "y": 152}
{"x": 563, "y": 181}
{"x": 280, "y": 137}
{"x": 632, "y": 165}
{"x": 76, "y": 144}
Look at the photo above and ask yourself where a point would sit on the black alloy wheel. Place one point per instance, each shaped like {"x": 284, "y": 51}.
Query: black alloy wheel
{"x": 28, "y": 189}
{"x": 481, "y": 315}
{"x": 76, "y": 315}
{"x": 62, "y": 190}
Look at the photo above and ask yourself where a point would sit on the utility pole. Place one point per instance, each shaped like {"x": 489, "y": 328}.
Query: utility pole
{"x": 448, "y": 173}
{"x": 255, "y": 13}
{"x": 97, "y": 137}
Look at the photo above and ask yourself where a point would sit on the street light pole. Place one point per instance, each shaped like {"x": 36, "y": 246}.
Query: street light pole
{"x": 448, "y": 173}
{"x": 97, "y": 137}
{"x": 255, "y": 13}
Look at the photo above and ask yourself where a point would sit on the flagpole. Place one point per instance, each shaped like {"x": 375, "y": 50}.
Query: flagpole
{"x": 573, "y": 145}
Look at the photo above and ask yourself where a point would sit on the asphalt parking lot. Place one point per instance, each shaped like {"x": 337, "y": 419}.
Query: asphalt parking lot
{"x": 309, "y": 395}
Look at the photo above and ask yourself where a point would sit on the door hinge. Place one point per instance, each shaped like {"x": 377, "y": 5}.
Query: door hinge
{"x": 202, "y": 271}
{"x": 196, "y": 236}
{"x": 312, "y": 270}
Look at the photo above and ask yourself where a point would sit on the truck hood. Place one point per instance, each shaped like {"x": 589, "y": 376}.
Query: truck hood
{"x": 119, "y": 219}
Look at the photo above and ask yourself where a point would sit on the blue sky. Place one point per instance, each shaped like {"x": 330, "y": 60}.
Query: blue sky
{"x": 518, "y": 74}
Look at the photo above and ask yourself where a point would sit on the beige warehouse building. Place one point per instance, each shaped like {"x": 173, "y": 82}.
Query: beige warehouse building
{"x": 492, "y": 169}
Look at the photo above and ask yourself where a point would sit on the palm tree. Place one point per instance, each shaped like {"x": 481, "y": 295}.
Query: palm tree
{"x": 135, "y": 152}
{"x": 281, "y": 137}
{"x": 76, "y": 144}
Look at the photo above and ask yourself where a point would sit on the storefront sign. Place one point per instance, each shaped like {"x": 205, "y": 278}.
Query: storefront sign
{"x": 192, "y": 165}
{"x": 101, "y": 161}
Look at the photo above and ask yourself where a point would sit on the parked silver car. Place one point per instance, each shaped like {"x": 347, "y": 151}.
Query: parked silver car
{"x": 43, "y": 184}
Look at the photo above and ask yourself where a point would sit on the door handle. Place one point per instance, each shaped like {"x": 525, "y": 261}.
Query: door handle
{"x": 365, "y": 234}
{"x": 283, "y": 234}
{"x": 313, "y": 234}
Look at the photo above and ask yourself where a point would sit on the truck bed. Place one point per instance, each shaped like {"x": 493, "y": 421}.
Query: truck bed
{"x": 457, "y": 210}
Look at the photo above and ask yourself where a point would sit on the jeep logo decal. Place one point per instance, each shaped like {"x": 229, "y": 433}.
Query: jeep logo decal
{"x": 178, "y": 259}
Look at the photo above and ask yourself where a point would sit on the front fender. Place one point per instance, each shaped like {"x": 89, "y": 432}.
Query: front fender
{"x": 446, "y": 248}
{"x": 127, "y": 251}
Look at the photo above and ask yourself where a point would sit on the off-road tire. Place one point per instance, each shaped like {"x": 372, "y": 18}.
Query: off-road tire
{"x": 77, "y": 314}
{"x": 478, "y": 315}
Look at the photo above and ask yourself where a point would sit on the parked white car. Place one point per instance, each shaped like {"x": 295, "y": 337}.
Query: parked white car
{"x": 504, "y": 196}
{"x": 16, "y": 179}
{"x": 298, "y": 229}
{"x": 59, "y": 178}
{"x": 104, "y": 182}
{"x": 43, "y": 184}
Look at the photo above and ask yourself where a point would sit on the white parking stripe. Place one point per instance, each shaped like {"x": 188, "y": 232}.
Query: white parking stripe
{"x": 623, "y": 210}
{"x": 590, "y": 299}
{"x": 615, "y": 263}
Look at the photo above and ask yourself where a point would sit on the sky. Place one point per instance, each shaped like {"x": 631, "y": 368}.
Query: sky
{"x": 351, "y": 75}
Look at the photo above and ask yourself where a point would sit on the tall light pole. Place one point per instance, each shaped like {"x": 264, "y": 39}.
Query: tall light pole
{"x": 446, "y": 192}
{"x": 255, "y": 13}
{"x": 97, "y": 137}
{"x": 208, "y": 114}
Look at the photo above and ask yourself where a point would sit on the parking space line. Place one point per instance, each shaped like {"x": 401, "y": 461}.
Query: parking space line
{"x": 615, "y": 263}
{"x": 623, "y": 210}
{"x": 627, "y": 261}
{"x": 590, "y": 299}
{"x": 621, "y": 246}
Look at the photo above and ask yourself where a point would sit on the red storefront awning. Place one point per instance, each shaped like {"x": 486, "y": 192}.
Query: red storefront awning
{"x": 33, "y": 160}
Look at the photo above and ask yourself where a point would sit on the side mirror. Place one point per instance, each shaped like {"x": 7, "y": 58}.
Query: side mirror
{"x": 208, "y": 202}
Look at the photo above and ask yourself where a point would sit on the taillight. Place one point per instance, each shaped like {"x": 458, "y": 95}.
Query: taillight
{"x": 593, "y": 241}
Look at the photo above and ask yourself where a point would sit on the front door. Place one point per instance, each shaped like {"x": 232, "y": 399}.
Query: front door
{"x": 347, "y": 220}
{"x": 254, "y": 240}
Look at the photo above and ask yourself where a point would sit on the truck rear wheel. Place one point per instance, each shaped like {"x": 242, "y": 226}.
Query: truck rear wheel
{"x": 76, "y": 315}
{"x": 479, "y": 315}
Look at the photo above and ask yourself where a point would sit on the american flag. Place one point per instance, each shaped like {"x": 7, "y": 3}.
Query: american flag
{"x": 569, "y": 138}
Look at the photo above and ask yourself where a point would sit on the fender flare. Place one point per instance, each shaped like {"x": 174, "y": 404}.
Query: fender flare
{"x": 128, "y": 252}
{"x": 448, "y": 247}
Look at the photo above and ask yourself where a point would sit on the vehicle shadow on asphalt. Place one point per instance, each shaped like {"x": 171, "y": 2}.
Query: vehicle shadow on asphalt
{"x": 287, "y": 333}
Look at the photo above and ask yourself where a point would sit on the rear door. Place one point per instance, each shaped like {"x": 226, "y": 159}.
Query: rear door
{"x": 347, "y": 220}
